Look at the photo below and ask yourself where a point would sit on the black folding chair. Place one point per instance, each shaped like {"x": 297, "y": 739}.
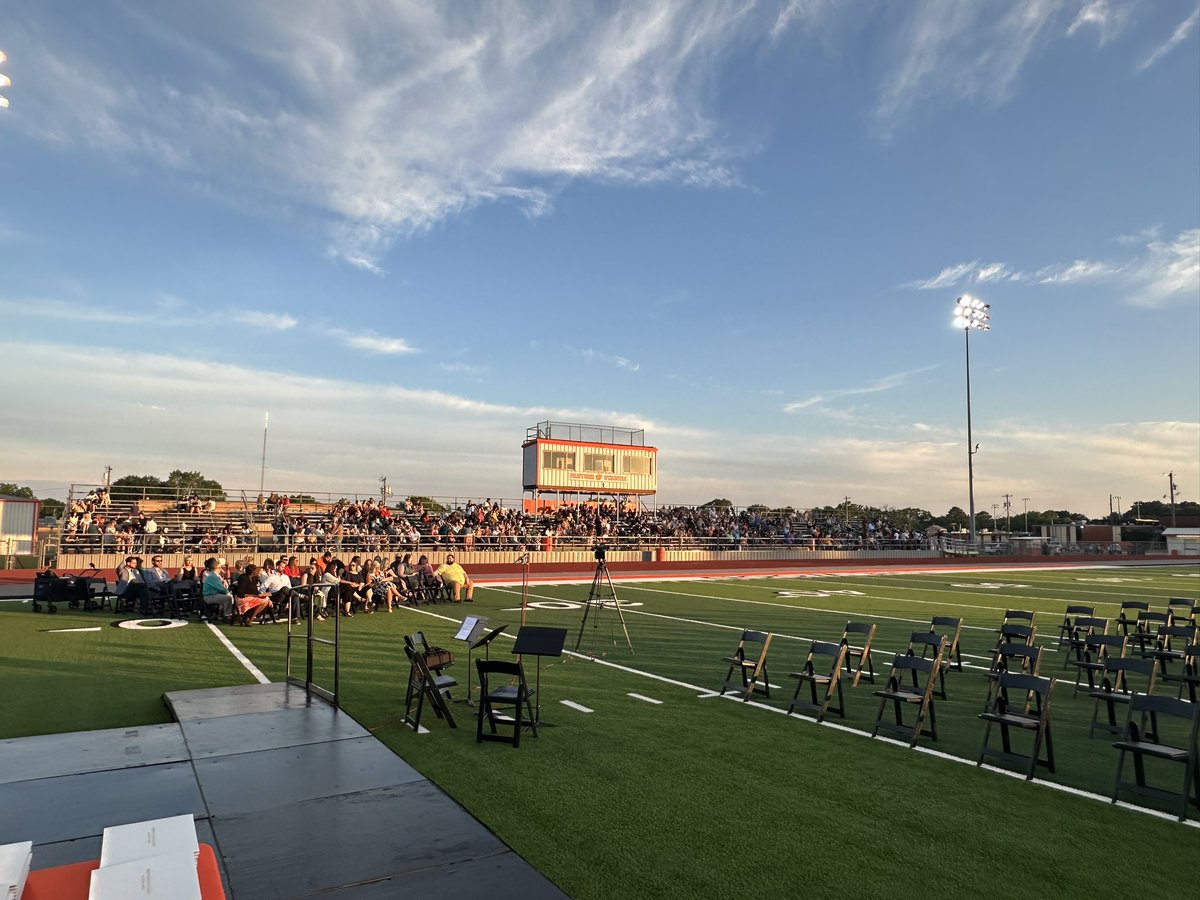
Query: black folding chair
{"x": 1127, "y": 617}
{"x": 1118, "y": 687}
{"x": 424, "y": 685}
{"x": 822, "y": 670}
{"x": 1011, "y": 659}
{"x": 514, "y": 696}
{"x": 1067, "y": 628}
{"x": 1183, "y": 610}
{"x": 929, "y": 642}
{"x": 751, "y": 669}
{"x": 1150, "y": 732}
{"x": 858, "y": 658}
{"x": 1022, "y": 617}
{"x": 901, "y": 694}
{"x": 949, "y": 627}
{"x": 1189, "y": 678}
{"x": 1081, "y": 629}
{"x": 1032, "y": 713}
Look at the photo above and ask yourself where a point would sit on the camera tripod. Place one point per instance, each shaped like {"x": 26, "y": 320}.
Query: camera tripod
{"x": 602, "y": 594}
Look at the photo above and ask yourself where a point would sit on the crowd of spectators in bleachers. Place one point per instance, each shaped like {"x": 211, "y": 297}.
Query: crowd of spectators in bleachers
{"x": 372, "y": 526}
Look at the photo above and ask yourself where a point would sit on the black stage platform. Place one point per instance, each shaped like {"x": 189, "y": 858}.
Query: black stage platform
{"x": 297, "y": 798}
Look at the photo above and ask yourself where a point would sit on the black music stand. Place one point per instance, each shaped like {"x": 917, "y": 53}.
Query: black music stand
{"x": 539, "y": 641}
{"x": 476, "y": 635}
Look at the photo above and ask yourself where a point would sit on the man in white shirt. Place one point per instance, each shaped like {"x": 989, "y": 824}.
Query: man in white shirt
{"x": 272, "y": 581}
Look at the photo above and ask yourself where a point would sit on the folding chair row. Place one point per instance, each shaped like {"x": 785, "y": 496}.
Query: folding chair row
{"x": 749, "y": 660}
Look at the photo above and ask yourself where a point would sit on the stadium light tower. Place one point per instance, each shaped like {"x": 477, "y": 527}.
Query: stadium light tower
{"x": 971, "y": 314}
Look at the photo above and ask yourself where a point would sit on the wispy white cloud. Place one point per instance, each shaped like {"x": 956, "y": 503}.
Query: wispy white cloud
{"x": 462, "y": 368}
{"x": 1162, "y": 272}
{"x": 963, "y": 51}
{"x": 375, "y": 343}
{"x": 1079, "y": 270}
{"x": 1168, "y": 272}
{"x": 592, "y": 355}
{"x": 388, "y": 123}
{"x": 265, "y": 320}
{"x": 1178, "y": 36}
{"x": 51, "y": 308}
{"x": 966, "y": 273}
{"x": 885, "y": 383}
{"x": 1108, "y": 17}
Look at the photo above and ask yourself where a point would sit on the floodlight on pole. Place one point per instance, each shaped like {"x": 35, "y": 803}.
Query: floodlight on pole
{"x": 971, "y": 314}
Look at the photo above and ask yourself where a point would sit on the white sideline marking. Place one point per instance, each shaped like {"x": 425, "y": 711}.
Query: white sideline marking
{"x": 239, "y": 656}
{"x": 644, "y": 697}
{"x": 708, "y": 695}
{"x": 71, "y": 630}
{"x": 574, "y": 705}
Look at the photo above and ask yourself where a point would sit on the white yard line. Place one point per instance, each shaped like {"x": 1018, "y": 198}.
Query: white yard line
{"x": 645, "y": 698}
{"x": 573, "y": 705}
{"x": 238, "y": 655}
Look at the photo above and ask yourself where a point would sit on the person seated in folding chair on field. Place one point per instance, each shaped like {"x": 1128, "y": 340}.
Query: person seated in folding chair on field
{"x": 456, "y": 580}
{"x": 248, "y": 599}
{"x": 278, "y": 587}
{"x": 157, "y": 580}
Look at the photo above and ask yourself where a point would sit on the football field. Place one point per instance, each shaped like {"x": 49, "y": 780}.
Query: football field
{"x": 646, "y": 782}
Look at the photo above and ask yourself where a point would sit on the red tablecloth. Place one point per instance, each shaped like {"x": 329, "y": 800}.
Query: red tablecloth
{"x": 73, "y": 881}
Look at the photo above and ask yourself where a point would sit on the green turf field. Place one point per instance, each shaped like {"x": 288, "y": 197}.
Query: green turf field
{"x": 697, "y": 795}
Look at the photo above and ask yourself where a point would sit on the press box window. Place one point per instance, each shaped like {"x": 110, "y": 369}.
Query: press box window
{"x": 596, "y": 462}
{"x": 637, "y": 465}
{"x": 557, "y": 459}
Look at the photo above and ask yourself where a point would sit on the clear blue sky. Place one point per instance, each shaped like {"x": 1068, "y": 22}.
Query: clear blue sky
{"x": 410, "y": 231}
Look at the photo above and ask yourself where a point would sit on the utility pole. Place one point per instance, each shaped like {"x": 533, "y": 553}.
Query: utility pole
{"x": 107, "y": 477}
{"x": 1025, "y": 500}
{"x": 1173, "y": 489}
{"x": 1117, "y": 521}
{"x": 846, "y": 499}
{"x": 1008, "y": 511}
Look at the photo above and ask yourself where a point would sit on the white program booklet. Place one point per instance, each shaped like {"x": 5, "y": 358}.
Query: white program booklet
{"x": 140, "y": 840}
{"x": 171, "y": 876}
{"x": 15, "y": 860}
